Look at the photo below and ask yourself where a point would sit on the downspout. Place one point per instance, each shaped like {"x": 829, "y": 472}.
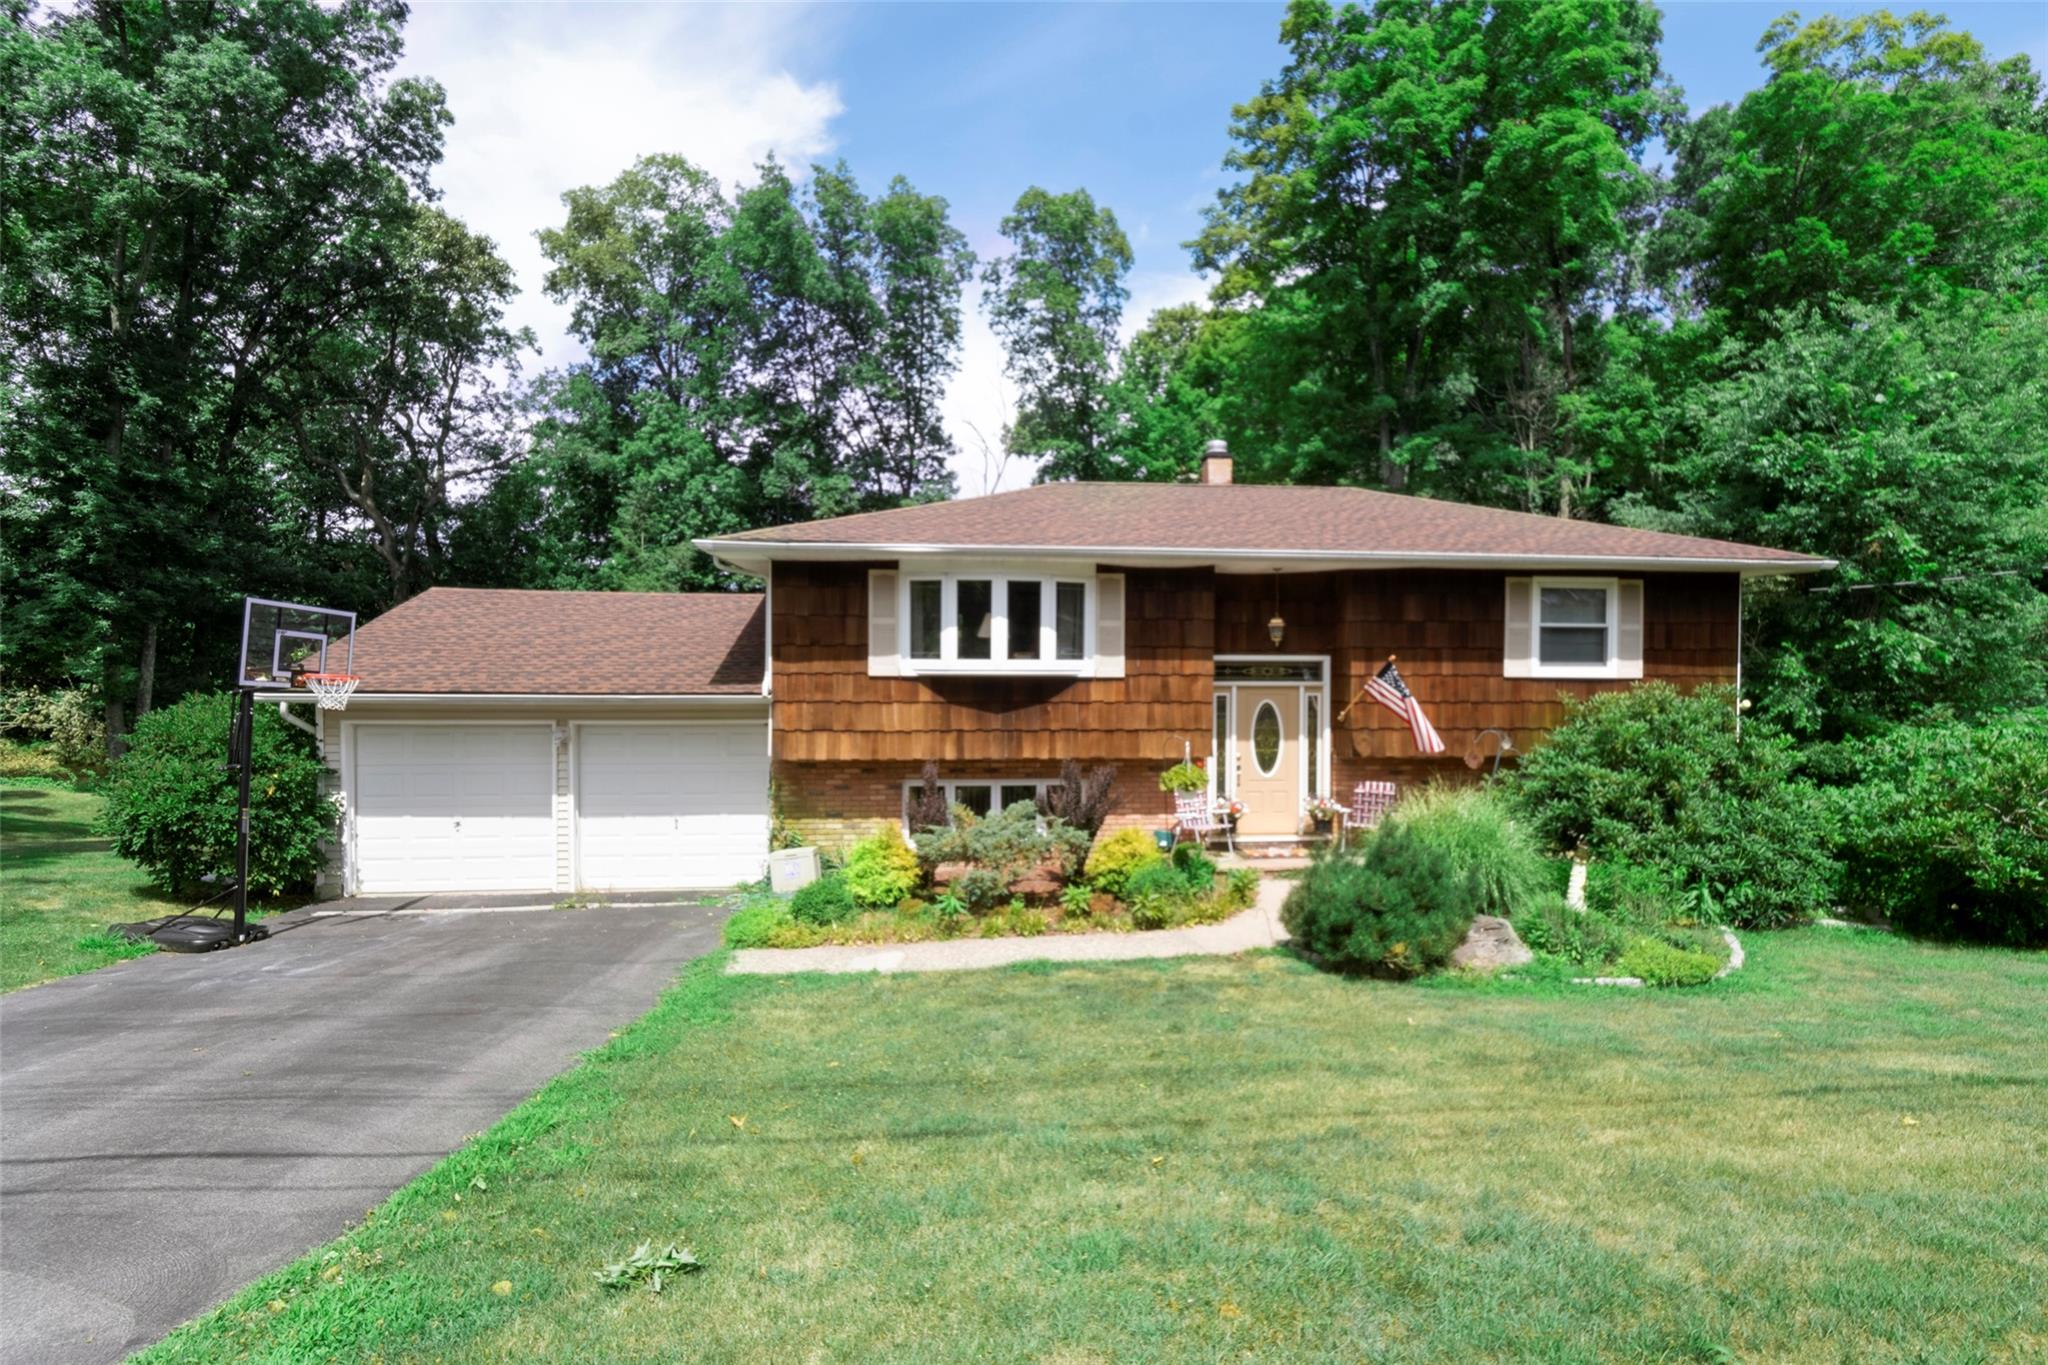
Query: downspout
{"x": 1741, "y": 584}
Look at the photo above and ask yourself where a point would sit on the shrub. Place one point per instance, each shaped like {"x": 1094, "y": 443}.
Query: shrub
{"x": 1476, "y": 828}
{"x": 1240, "y": 887}
{"x": 981, "y": 889}
{"x": 67, "y": 726}
{"x": 881, "y": 870}
{"x": 1396, "y": 908}
{"x": 1077, "y": 900}
{"x": 1635, "y": 893}
{"x": 825, "y": 901}
{"x": 1947, "y": 833}
{"x": 170, "y": 801}
{"x": 928, "y": 806}
{"x": 1661, "y": 964}
{"x": 1196, "y": 867}
{"x": 1083, "y": 797}
{"x": 1659, "y": 777}
{"x": 754, "y": 925}
{"x": 1157, "y": 880}
{"x": 1114, "y": 859}
{"x": 1586, "y": 938}
{"x": 1010, "y": 843}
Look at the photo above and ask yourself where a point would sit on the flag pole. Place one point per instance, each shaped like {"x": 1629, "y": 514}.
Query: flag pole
{"x": 1356, "y": 695}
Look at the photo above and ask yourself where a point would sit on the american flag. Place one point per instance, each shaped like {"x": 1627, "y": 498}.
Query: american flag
{"x": 1386, "y": 688}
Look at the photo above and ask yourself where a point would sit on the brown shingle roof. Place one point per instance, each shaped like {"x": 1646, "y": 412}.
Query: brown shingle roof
{"x": 1250, "y": 519}
{"x": 492, "y": 641}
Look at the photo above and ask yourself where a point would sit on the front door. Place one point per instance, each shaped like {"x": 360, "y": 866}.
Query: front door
{"x": 1269, "y": 760}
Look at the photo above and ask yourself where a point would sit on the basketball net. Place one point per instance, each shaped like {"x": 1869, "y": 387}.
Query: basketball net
{"x": 331, "y": 690}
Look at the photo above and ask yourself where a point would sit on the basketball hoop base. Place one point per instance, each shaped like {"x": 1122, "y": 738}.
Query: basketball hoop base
{"x": 188, "y": 933}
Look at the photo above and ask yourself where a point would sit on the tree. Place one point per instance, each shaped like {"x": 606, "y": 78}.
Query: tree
{"x": 1911, "y": 445}
{"x": 1885, "y": 158}
{"x": 193, "y": 197}
{"x": 405, "y": 407}
{"x": 1171, "y": 394}
{"x": 1056, "y": 302}
{"x": 1437, "y": 201}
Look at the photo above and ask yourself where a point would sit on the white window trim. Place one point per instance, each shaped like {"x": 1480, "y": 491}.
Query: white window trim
{"x": 1000, "y": 577}
{"x": 1612, "y": 667}
{"x": 949, "y": 784}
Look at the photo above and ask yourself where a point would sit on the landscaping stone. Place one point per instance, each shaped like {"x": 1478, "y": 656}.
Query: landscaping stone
{"x": 1489, "y": 945}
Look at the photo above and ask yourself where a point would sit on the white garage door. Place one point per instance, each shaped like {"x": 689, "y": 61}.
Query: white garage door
{"x": 671, "y": 805}
{"x": 454, "y": 807}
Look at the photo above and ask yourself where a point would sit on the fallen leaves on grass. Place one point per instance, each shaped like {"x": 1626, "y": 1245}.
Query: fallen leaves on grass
{"x": 645, "y": 1263}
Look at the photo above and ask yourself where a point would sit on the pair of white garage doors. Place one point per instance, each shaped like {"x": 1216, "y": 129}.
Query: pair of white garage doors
{"x": 452, "y": 807}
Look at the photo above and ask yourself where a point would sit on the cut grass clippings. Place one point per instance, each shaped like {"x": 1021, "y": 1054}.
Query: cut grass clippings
{"x": 1834, "y": 1155}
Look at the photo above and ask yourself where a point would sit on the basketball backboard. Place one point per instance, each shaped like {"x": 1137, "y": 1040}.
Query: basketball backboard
{"x": 281, "y": 640}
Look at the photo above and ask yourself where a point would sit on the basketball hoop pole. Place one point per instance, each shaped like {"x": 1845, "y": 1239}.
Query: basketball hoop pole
{"x": 245, "y": 724}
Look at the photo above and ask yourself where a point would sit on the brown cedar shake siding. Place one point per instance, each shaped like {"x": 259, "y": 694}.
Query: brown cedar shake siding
{"x": 846, "y": 742}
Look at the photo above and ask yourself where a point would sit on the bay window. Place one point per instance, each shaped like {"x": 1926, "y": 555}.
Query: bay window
{"x": 971, "y": 622}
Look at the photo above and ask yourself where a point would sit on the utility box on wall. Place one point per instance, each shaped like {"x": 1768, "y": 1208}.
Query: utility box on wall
{"x": 791, "y": 868}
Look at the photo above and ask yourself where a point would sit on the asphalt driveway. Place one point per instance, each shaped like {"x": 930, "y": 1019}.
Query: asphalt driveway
{"x": 173, "y": 1127}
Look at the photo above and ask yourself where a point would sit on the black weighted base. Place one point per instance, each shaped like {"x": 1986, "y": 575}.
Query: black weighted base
{"x": 188, "y": 933}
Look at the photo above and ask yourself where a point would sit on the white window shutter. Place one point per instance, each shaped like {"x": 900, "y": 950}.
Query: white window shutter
{"x": 1109, "y": 626}
{"x": 1519, "y": 647}
{"x": 885, "y": 644}
{"x": 1628, "y": 617}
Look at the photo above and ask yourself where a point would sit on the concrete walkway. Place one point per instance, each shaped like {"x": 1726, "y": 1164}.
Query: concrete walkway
{"x": 1258, "y": 927}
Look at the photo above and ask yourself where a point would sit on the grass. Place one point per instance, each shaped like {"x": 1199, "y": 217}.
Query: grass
{"x": 61, "y": 886}
{"x": 1834, "y": 1156}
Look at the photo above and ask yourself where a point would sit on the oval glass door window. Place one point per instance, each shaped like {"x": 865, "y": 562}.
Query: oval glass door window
{"x": 1266, "y": 738}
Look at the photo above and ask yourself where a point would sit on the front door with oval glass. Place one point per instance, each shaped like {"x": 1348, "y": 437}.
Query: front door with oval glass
{"x": 1268, "y": 760}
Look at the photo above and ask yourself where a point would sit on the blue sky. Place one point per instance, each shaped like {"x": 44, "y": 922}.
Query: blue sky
{"x": 971, "y": 101}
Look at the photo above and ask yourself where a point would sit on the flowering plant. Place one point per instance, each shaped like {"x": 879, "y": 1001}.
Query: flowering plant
{"x": 1322, "y": 809}
{"x": 1228, "y": 809}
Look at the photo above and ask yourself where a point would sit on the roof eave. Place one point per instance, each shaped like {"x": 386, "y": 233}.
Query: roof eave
{"x": 755, "y": 557}
{"x": 754, "y": 698}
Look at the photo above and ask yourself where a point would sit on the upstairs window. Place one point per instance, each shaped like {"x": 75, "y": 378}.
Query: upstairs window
{"x": 1574, "y": 625}
{"x": 976, "y": 623}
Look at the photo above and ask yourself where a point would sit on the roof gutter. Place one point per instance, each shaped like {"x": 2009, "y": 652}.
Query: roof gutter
{"x": 751, "y": 556}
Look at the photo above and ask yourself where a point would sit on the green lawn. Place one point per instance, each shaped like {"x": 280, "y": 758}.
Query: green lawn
{"x": 1836, "y": 1156}
{"x": 60, "y": 887}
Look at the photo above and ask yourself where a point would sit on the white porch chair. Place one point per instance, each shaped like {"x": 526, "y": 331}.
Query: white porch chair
{"x": 1370, "y": 802}
{"x": 1193, "y": 816}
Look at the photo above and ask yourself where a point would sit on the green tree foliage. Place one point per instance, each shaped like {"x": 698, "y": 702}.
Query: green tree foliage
{"x": 1435, "y": 202}
{"x": 170, "y": 801}
{"x": 210, "y": 217}
{"x": 1913, "y": 447}
{"x": 1397, "y": 908}
{"x": 772, "y": 356}
{"x": 1885, "y": 158}
{"x": 1056, "y": 301}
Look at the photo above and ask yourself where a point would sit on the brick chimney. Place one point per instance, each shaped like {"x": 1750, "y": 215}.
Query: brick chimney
{"x": 1216, "y": 463}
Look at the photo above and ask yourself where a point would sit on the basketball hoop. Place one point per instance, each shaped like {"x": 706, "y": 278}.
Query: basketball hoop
{"x": 330, "y": 690}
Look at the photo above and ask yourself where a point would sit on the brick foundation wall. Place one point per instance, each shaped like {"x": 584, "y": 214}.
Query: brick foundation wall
{"x": 835, "y": 805}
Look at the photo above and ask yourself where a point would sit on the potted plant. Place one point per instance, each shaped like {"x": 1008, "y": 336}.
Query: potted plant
{"x": 1228, "y": 808}
{"x": 1184, "y": 777}
{"x": 1323, "y": 813}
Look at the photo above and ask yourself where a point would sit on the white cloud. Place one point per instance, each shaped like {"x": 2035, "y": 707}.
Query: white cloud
{"x": 547, "y": 98}
{"x": 981, "y": 399}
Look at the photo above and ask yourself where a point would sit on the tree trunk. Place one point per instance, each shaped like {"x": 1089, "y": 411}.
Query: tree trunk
{"x": 145, "y": 672}
{"x": 116, "y": 717}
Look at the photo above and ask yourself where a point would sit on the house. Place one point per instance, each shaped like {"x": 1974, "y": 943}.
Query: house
{"x": 565, "y": 741}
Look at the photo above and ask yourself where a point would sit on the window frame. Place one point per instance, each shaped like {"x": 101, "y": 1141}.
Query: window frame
{"x": 1000, "y": 578}
{"x": 949, "y": 785}
{"x": 1610, "y": 667}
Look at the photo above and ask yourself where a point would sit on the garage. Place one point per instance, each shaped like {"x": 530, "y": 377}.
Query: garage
{"x": 677, "y": 804}
{"x": 448, "y": 807}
